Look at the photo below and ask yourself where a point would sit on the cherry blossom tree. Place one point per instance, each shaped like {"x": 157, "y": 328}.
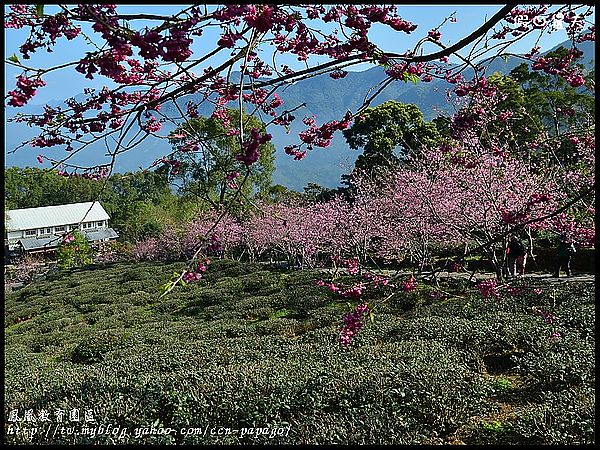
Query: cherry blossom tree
{"x": 155, "y": 65}
{"x": 149, "y": 67}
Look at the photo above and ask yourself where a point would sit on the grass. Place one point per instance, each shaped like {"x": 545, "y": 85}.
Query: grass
{"x": 248, "y": 347}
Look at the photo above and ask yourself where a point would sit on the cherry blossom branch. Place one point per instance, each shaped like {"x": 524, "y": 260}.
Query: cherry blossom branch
{"x": 522, "y": 225}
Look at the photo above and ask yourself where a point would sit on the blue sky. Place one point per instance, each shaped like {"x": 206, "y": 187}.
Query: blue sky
{"x": 65, "y": 83}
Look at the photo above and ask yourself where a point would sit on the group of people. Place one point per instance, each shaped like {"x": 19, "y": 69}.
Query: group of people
{"x": 516, "y": 256}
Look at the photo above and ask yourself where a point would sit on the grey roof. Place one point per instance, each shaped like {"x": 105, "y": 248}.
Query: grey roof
{"x": 52, "y": 216}
{"x": 51, "y": 242}
{"x": 104, "y": 233}
{"x": 39, "y": 243}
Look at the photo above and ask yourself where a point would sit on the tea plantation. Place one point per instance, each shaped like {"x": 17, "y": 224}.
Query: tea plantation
{"x": 247, "y": 348}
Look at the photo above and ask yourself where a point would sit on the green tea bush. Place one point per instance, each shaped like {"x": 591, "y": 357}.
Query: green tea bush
{"x": 229, "y": 268}
{"x": 279, "y": 326}
{"x": 93, "y": 348}
{"x": 581, "y": 319}
{"x": 74, "y": 251}
{"x": 560, "y": 363}
{"x": 261, "y": 283}
{"x": 564, "y": 417}
{"x": 246, "y": 347}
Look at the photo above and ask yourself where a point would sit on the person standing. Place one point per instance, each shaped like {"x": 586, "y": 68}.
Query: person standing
{"x": 517, "y": 256}
{"x": 564, "y": 254}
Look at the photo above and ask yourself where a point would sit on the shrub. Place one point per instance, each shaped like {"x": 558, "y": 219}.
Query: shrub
{"x": 566, "y": 416}
{"x": 93, "y": 348}
{"x": 74, "y": 251}
{"x": 253, "y": 348}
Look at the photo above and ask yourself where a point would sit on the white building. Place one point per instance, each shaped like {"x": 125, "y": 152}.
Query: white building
{"x": 35, "y": 230}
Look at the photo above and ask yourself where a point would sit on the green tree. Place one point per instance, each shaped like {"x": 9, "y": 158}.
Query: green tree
{"x": 31, "y": 187}
{"x": 131, "y": 199}
{"x": 74, "y": 251}
{"x": 315, "y": 193}
{"x": 559, "y": 106}
{"x": 388, "y": 133}
{"x": 279, "y": 193}
{"x": 139, "y": 203}
{"x": 525, "y": 124}
{"x": 208, "y": 158}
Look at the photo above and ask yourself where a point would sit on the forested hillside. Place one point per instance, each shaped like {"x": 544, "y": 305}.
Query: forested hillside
{"x": 324, "y": 97}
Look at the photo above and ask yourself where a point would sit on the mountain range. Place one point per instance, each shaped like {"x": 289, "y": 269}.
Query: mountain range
{"x": 325, "y": 98}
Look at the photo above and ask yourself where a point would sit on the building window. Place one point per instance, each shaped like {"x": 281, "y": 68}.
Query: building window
{"x": 100, "y": 223}
{"x": 30, "y": 232}
{"x": 61, "y": 228}
{"x": 48, "y": 230}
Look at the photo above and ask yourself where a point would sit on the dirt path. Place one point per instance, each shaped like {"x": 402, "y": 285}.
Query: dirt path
{"x": 537, "y": 277}
{"x": 478, "y": 276}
